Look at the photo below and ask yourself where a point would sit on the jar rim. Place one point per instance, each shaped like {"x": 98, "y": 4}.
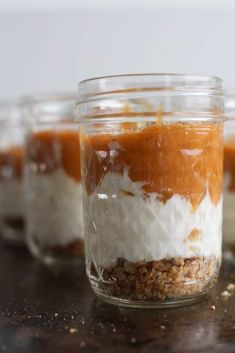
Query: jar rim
{"x": 10, "y": 113}
{"x": 48, "y": 107}
{"x": 47, "y": 97}
{"x": 105, "y": 85}
{"x": 229, "y": 103}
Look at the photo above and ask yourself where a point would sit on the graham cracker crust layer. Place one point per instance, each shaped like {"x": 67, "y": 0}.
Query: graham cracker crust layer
{"x": 16, "y": 222}
{"x": 73, "y": 249}
{"x": 157, "y": 280}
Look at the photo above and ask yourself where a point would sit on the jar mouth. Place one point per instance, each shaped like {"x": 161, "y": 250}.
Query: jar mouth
{"x": 48, "y": 97}
{"x": 49, "y": 108}
{"x": 157, "y": 82}
{"x": 145, "y": 96}
{"x": 10, "y": 113}
{"x": 229, "y": 104}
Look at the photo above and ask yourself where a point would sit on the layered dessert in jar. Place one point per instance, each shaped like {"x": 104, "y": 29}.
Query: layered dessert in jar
{"x": 12, "y": 197}
{"x": 54, "y": 192}
{"x": 153, "y": 207}
{"x": 229, "y": 177}
{"x": 229, "y": 195}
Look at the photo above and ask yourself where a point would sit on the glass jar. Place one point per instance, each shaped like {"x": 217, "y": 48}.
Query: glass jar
{"x": 229, "y": 178}
{"x": 12, "y": 197}
{"x": 151, "y": 156}
{"x": 54, "y": 230}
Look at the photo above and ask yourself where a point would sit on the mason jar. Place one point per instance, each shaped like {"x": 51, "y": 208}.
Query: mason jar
{"x": 54, "y": 227}
{"x": 229, "y": 177}
{"x": 12, "y": 196}
{"x": 152, "y": 166}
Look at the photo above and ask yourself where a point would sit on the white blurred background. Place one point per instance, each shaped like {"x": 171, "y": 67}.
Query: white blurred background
{"x": 52, "y": 44}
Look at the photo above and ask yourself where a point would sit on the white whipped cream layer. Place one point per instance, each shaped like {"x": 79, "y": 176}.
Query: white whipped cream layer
{"x": 140, "y": 228}
{"x": 228, "y": 213}
{"x": 54, "y": 205}
{"x": 12, "y": 198}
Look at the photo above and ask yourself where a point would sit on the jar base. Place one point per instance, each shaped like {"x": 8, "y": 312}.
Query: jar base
{"x": 229, "y": 254}
{"x": 13, "y": 229}
{"x": 58, "y": 261}
{"x": 54, "y": 259}
{"x": 13, "y": 237}
{"x": 148, "y": 304}
{"x": 154, "y": 284}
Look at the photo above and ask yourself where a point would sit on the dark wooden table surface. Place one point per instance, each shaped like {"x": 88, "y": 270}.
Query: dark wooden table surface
{"x": 50, "y": 311}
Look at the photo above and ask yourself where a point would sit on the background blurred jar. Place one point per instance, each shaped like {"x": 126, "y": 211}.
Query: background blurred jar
{"x": 54, "y": 230}
{"x": 12, "y": 196}
{"x": 229, "y": 176}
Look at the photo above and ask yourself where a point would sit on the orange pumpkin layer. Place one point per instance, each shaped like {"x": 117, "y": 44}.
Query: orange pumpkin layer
{"x": 169, "y": 159}
{"x": 51, "y": 150}
{"x": 229, "y": 162}
{"x": 11, "y": 162}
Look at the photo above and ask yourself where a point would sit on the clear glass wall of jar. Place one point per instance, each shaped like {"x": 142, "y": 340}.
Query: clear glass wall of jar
{"x": 12, "y": 197}
{"x": 151, "y": 156}
{"x": 54, "y": 227}
{"x": 229, "y": 177}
